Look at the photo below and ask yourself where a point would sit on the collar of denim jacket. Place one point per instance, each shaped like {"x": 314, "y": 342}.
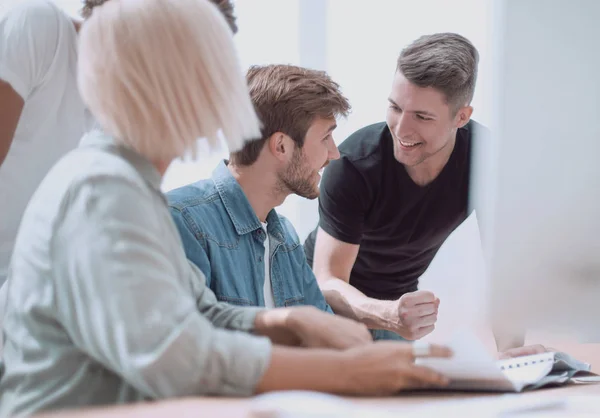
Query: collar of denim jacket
{"x": 238, "y": 207}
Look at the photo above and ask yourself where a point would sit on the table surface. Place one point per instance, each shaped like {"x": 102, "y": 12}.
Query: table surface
{"x": 241, "y": 407}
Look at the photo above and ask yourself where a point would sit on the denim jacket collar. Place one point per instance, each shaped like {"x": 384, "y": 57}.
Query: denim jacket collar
{"x": 238, "y": 207}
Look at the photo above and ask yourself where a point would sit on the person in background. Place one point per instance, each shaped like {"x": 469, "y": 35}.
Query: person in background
{"x": 250, "y": 254}
{"x": 104, "y": 307}
{"x": 42, "y": 116}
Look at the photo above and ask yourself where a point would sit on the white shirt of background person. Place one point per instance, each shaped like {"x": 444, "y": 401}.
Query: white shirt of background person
{"x": 38, "y": 59}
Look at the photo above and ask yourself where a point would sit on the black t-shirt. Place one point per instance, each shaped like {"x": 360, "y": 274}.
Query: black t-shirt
{"x": 368, "y": 198}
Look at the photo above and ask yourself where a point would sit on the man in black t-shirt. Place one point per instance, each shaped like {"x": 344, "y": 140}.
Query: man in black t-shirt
{"x": 398, "y": 191}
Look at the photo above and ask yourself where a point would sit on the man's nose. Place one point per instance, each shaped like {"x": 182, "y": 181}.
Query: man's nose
{"x": 404, "y": 126}
{"x": 333, "y": 151}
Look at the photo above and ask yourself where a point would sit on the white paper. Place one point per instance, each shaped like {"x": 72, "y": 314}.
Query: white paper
{"x": 457, "y": 276}
{"x": 532, "y": 373}
{"x": 472, "y": 367}
{"x": 470, "y": 362}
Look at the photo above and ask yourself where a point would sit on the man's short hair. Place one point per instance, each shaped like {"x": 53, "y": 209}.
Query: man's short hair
{"x": 444, "y": 61}
{"x": 288, "y": 99}
{"x": 88, "y": 7}
{"x": 225, "y": 6}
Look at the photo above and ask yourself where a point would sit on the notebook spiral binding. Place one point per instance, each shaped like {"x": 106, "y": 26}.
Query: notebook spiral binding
{"x": 517, "y": 364}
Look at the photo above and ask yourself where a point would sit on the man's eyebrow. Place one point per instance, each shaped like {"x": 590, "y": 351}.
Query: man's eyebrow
{"x": 331, "y": 129}
{"x": 421, "y": 112}
{"x": 424, "y": 112}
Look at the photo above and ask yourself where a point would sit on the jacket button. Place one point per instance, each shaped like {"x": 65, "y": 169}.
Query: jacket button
{"x": 260, "y": 259}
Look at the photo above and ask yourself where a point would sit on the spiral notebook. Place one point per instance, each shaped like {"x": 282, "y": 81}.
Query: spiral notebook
{"x": 473, "y": 369}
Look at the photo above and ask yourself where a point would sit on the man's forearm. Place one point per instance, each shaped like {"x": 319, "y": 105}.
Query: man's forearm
{"x": 11, "y": 106}
{"x": 350, "y": 302}
{"x": 275, "y": 324}
{"x": 298, "y": 369}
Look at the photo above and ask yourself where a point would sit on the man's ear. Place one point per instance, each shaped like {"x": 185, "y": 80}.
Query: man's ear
{"x": 463, "y": 116}
{"x": 281, "y": 146}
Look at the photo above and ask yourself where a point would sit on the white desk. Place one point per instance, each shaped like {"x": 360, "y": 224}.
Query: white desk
{"x": 237, "y": 407}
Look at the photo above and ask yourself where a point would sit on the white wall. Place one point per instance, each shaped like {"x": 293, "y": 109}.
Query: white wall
{"x": 365, "y": 38}
{"x": 260, "y": 41}
{"x": 357, "y": 42}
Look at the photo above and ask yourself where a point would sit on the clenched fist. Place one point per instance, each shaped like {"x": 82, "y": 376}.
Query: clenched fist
{"x": 413, "y": 315}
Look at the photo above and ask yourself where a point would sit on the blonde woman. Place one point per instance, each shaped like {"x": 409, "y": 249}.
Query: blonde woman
{"x": 42, "y": 116}
{"x": 103, "y": 306}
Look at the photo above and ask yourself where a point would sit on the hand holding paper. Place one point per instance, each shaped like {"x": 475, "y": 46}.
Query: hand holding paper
{"x": 473, "y": 368}
{"x": 527, "y": 350}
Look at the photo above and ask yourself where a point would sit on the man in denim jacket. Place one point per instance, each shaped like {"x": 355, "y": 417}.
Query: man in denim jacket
{"x": 249, "y": 254}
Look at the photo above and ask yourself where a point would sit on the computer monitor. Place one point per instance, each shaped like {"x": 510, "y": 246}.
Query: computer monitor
{"x": 541, "y": 200}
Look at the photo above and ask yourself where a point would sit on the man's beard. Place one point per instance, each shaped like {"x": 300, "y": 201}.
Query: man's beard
{"x": 298, "y": 178}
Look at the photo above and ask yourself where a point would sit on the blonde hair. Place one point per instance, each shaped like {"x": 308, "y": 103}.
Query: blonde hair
{"x": 158, "y": 74}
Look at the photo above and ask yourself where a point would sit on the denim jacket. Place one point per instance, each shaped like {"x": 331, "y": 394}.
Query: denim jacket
{"x": 223, "y": 236}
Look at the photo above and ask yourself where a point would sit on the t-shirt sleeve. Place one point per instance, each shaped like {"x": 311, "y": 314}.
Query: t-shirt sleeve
{"x": 343, "y": 201}
{"x": 29, "y": 36}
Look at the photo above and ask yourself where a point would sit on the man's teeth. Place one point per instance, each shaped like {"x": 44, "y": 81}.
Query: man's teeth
{"x": 409, "y": 144}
